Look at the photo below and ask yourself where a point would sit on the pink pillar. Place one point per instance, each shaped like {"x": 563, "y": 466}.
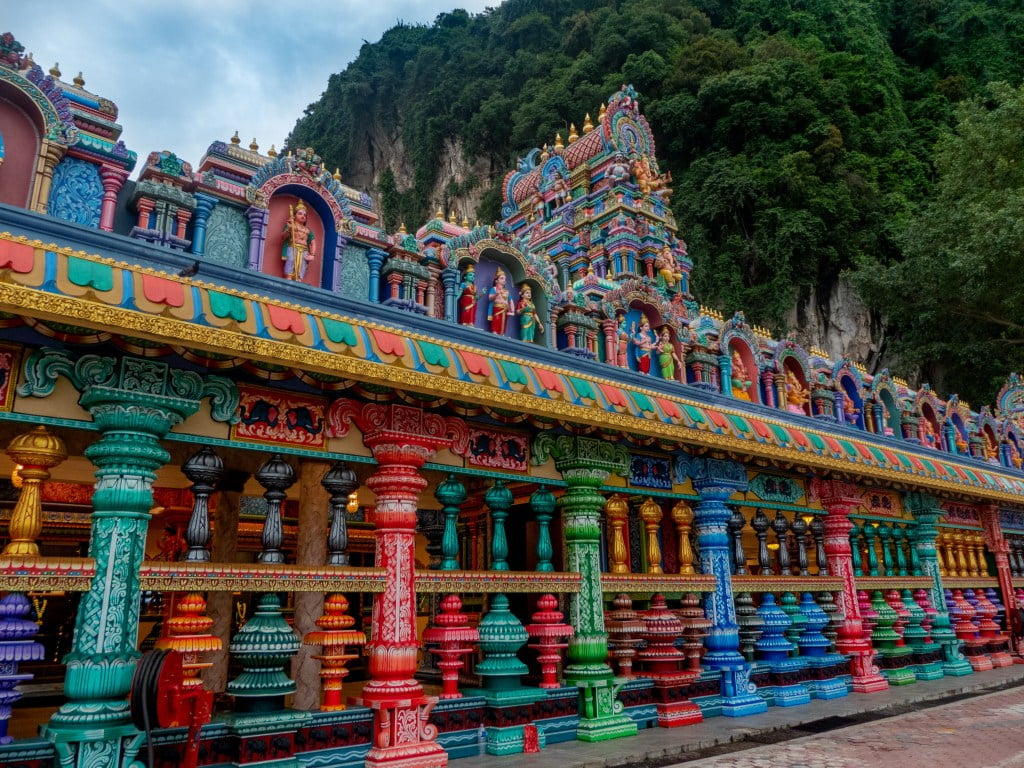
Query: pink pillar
{"x": 838, "y": 498}
{"x": 113, "y": 179}
{"x": 1000, "y": 549}
{"x": 768, "y": 377}
{"x": 402, "y": 439}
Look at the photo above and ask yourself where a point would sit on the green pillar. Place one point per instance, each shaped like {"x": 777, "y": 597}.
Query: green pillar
{"x": 134, "y": 404}
{"x": 585, "y": 464}
{"x": 926, "y": 512}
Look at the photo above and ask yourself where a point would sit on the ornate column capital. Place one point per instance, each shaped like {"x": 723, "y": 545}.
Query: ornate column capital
{"x": 835, "y": 494}
{"x": 573, "y": 454}
{"x": 398, "y": 433}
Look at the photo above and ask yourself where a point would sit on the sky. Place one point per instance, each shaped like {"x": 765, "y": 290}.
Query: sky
{"x": 190, "y": 72}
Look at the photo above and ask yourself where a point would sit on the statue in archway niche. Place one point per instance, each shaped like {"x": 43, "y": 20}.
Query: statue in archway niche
{"x": 499, "y": 306}
{"x": 667, "y": 357}
{"x": 741, "y": 380}
{"x": 797, "y": 395}
{"x": 621, "y": 342}
{"x": 467, "y": 299}
{"x": 643, "y": 343}
{"x": 529, "y": 321}
{"x": 298, "y": 247}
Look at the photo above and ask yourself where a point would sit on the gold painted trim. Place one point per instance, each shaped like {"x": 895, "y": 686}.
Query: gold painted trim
{"x": 462, "y": 582}
{"x": 786, "y": 584}
{"x": 649, "y": 583}
{"x": 893, "y": 582}
{"x": 970, "y": 582}
{"x": 258, "y": 577}
{"x": 46, "y": 574}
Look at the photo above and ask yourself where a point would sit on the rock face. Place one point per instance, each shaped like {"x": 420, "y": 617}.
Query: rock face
{"x": 835, "y": 319}
{"x": 460, "y": 182}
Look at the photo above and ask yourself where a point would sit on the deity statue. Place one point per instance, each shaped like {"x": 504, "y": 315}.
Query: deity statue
{"x": 498, "y": 304}
{"x": 529, "y": 321}
{"x": 643, "y": 343}
{"x": 667, "y": 266}
{"x": 797, "y": 395}
{"x": 1015, "y": 458}
{"x": 621, "y": 342}
{"x": 991, "y": 452}
{"x": 467, "y": 299}
{"x": 298, "y": 247}
{"x": 850, "y": 410}
{"x": 961, "y": 444}
{"x": 667, "y": 357}
{"x": 741, "y": 380}
{"x": 886, "y": 429}
{"x": 928, "y": 436}
{"x": 618, "y": 170}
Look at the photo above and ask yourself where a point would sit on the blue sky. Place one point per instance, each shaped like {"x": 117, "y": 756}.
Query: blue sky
{"x": 186, "y": 73}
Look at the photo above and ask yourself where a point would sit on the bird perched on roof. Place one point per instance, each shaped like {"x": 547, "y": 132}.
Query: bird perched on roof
{"x": 189, "y": 271}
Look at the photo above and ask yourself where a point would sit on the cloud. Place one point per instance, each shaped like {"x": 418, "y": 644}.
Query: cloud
{"x": 187, "y": 73}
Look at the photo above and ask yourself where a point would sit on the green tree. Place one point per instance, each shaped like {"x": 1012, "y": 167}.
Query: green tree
{"x": 957, "y": 299}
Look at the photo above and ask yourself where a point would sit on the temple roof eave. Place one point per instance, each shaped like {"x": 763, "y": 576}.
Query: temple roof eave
{"x": 422, "y": 354}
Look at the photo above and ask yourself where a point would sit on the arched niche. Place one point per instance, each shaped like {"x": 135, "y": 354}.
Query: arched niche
{"x": 930, "y": 435}
{"x": 1012, "y": 438}
{"x": 961, "y": 433}
{"x": 848, "y": 381}
{"x": 320, "y": 221}
{"x": 738, "y": 347}
{"x": 492, "y": 260}
{"x": 791, "y": 360}
{"x": 20, "y": 137}
{"x": 636, "y": 315}
{"x": 886, "y": 395}
{"x": 988, "y": 434}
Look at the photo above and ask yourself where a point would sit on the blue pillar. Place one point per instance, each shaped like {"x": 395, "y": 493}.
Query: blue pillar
{"x": 204, "y": 207}
{"x": 257, "y": 235}
{"x": 450, "y": 279}
{"x": 333, "y": 280}
{"x": 725, "y": 374}
{"x": 375, "y": 257}
{"x": 716, "y": 480}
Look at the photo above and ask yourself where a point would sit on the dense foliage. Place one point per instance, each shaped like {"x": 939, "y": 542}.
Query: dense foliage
{"x": 800, "y": 134}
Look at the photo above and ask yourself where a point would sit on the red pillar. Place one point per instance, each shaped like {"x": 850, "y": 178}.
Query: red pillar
{"x": 838, "y": 499}
{"x": 402, "y": 439}
{"x": 113, "y": 179}
{"x": 1000, "y": 549}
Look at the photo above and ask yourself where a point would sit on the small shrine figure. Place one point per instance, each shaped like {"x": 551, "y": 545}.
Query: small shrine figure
{"x": 886, "y": 428}
{"x": 667, "y": 357}
{"x": 740, "y": 378}
{"x": 467, "y": 299}
{"x": 298, "y": 246}
{"x": 529, "y": 320}
{"x": 961, "y": 444}
{"x": 1015, "y": 458}
{"x": 928, "y": 436}
{"x": 850, "y": 410}
{"x": 622, "y": 342}
{"x": 643, "y": 342}
{"x": 797, "y": 395}
{"x": 991, "y": 452}
{"x": 498, "y": 304}
{"x": 668, "y": 268}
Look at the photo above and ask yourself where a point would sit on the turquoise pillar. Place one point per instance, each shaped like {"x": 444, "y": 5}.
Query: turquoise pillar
{"x": 716, "y": 480}
{"x": 134, "y": 403}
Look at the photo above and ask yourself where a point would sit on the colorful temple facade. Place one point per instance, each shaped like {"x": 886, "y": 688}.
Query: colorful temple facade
{"x": 357, "y": 497}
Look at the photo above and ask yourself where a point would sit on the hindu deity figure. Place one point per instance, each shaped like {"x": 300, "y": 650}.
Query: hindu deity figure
{"x": 797, "y": 395}
{"x": 667, "y": 266}
{"x": 298, "y": 247}
{"x": 643, "y": 343}
{"x": 619, "y": 170}
{"x": 928, "y": 436}
{"x": 529, "y": 321}
{"x": 991, "y": 452}
{"x": 1015, "y": 458}
{"x": 498, "y": 305}
{"x": 887, "y": 429}
{"x": 667, "y": 357}
{"x": 621, "y": 343}
{"x": 467, "y": 299}
{"x": 961, "y": 444}
{"x": 850, "y": 410}
{"x": 741, "y": 380}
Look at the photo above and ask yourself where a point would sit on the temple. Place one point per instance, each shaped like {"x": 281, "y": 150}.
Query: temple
{"x": 316, "y": 493}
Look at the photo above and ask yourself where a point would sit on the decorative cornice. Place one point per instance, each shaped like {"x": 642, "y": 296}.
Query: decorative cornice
{"x": 648, "y": 583}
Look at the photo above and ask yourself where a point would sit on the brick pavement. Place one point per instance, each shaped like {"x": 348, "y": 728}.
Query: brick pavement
{"x": 981, "y": 732}
{"x": 664, "y": 746}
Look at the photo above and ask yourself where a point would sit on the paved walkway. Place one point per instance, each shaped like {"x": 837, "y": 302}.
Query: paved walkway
{"x": 665, "y": 746}
{"x": 985, "y": 731}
